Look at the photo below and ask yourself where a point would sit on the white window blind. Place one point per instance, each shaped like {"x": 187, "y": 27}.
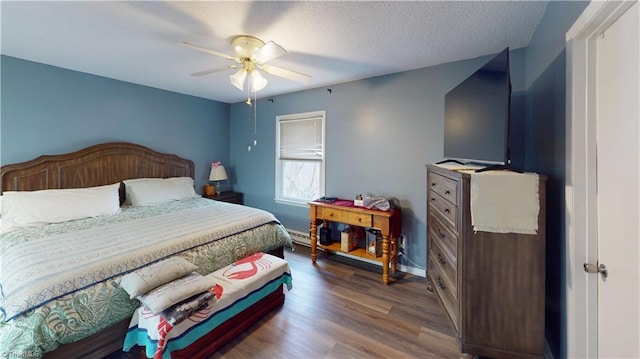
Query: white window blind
{"x": 301, "y": 139}
{"x": 300, "y": 158}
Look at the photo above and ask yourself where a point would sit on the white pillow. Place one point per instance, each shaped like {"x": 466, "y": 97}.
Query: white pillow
{"x": 155, "y": 275}
{"x": 171, "y": 293}
{"x": 149, "y": 191}
{"x": 130, "y": 184}
{"x": 33, "y": 208}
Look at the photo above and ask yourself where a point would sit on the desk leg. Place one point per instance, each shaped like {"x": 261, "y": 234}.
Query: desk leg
{"x": 394, "y": 254}
{"x": 385, "y": 258}
{"x": 313, "y": 239}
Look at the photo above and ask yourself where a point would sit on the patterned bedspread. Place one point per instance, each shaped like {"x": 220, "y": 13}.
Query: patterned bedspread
{"x": 40, "y": 266}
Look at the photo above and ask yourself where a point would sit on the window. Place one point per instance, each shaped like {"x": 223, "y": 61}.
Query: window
{"x": 300, "y": 157}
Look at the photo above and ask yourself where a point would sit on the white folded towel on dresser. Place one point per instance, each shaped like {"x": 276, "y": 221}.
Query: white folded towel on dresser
{"x": 504, "y": 202}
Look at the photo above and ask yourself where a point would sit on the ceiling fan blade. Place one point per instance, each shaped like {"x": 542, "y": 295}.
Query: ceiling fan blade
{"x": 212, "y": 52}
{"x": 288, "y": 74}
{"x": 268, "y": 52}
{"x": 212, "y": 71}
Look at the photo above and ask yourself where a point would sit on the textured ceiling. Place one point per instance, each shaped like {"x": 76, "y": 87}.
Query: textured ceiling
{"x": 334, "y": 42}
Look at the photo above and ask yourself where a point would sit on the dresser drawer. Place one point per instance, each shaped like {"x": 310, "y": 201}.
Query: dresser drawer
{"x": 443, "y": 234}
{"x": 357, "y": 219}
{"x": 448, "y": 300}
{"x": 446, "y": 266}
{"x": 446, "y": 210}
{"x": 329, "y": 214}
{"x": 445, "y": 187}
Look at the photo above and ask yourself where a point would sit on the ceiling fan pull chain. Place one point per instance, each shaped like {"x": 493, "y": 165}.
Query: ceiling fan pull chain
{"x": 248, "y": 102}
{"x": 255, "y": 119}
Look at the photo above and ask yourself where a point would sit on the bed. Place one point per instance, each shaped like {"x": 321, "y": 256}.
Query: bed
{"x": 89, "y": 314}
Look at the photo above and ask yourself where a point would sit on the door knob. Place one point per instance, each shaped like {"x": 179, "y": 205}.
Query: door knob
{"x": 592, "y": 268}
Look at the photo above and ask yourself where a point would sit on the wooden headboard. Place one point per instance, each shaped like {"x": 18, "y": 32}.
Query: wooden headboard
{"x": 97, "y": 165}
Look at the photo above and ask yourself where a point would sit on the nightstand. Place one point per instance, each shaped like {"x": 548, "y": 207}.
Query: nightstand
{"x": 228, "y": 196}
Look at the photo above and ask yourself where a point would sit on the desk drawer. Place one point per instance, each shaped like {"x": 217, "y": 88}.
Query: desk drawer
{"x": 329, "y": 214}
{"x": 445, "y": 187}
{"x": 357, "y": 219}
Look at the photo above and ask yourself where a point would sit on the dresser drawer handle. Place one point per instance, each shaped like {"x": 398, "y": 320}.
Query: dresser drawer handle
{"x": 359, "y": 219}
{"x": 440, "y": 234}
{"x": 331, "y": 214}
{"x": 446, "y": 210}
{"x": 433, "y": 184}
{"x": 433, "y": 199}
{"x": 440, "y": 259}
{"x": 447, "y": 192}
{"x": 440, "y": 285}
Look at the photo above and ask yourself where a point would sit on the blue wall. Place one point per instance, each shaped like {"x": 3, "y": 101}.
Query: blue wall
{"x": 393, "y": 121}
{"x": 50, "y": 110}
{"x": 545, "y": 150}
{"x": 381, "y": 132}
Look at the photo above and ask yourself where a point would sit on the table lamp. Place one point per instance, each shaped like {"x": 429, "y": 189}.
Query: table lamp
{"x": 216, "y": 175}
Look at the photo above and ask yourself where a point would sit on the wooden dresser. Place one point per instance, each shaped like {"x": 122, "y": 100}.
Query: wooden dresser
{"x": 490, "y": 284}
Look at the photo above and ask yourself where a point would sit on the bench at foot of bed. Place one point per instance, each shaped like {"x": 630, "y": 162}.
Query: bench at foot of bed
{"x": 251, "y": 288}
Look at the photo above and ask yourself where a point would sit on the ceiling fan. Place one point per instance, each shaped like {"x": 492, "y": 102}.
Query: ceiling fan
{"x": 251, "y": 55}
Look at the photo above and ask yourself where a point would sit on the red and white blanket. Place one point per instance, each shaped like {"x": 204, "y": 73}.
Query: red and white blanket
{"x": 238, "y": 286}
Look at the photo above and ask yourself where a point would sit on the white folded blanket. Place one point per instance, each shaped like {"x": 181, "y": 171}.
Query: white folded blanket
{"x": 504, "y": 202}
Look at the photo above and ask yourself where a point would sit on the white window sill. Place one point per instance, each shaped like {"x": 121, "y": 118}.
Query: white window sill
{"x": 290, "y": 202}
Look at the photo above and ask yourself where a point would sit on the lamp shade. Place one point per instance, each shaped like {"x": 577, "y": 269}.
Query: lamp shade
{"x": 257, "y": 81}
{"x": 238, "y": 78}
{"x": 218, "y": 172}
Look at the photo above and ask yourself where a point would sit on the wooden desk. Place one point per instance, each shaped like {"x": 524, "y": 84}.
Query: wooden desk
{"x": 389, "y": 223}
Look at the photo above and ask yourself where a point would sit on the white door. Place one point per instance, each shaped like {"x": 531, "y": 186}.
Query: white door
{"x": 618, "y": 187}
{"x": 603, "y": 182}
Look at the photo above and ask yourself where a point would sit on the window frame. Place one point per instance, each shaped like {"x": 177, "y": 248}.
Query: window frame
{"x": 313, "y": 115}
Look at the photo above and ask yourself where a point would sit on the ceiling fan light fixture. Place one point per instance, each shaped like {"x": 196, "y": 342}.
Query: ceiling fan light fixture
{"x": 257, "y": 81}
{"x": 251, "y": 54}
{"x": 238, "y": 79}
{"x": 245, "y": 45}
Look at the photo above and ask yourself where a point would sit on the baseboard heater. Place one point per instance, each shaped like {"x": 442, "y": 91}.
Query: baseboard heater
{"x": 300, "y": 237}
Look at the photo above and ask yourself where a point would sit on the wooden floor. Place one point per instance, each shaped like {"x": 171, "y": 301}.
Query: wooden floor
{"x": 340, "y": 309}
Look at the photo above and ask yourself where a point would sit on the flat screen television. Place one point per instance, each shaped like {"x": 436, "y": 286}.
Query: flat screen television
{"x": 476, "y": 115}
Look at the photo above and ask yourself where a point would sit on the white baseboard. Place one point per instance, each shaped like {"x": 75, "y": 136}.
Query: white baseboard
{"x": 420, "y": 272}
{"x": 302, "y": 238}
